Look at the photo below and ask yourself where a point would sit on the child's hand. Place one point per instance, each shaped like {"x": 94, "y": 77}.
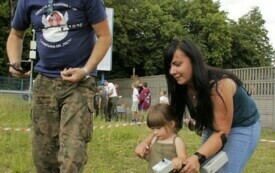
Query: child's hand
{"x": 142, "y": 150}
{"x": 177, "y": 164}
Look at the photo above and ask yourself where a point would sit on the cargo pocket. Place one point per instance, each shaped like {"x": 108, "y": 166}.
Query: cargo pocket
{"x": 88, "y": 129}
{"x": 90, "y": 100}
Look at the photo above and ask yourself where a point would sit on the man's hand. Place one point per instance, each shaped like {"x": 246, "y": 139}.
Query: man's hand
{"x": 73, "y": 74}
{"x": 16, "y": 71}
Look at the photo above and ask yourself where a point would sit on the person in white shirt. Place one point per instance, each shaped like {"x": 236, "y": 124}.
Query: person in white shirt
{"x": 163, "y": 98}
{"x": 112, "y": 101}
{"x": 135, "y": 101}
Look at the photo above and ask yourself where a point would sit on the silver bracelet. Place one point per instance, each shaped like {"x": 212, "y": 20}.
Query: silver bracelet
{"x": 85, "y": 70}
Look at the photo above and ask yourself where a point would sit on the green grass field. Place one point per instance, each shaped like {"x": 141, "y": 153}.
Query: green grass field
{"x": 111, "y": 149}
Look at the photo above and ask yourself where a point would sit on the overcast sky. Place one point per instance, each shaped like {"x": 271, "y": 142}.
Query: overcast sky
{"x": 237, "y": 8}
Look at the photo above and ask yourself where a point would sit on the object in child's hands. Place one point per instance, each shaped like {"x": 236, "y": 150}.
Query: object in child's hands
{"x": 215, "y": 163}
{"x": 164, "y": 166}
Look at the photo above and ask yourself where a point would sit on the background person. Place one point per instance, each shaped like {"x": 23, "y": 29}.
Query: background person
{"x": 96, "y": 104}
{"x": 163, "y": 98}
{"x": 135, "y": 101}
{"x": 221, "y": 107}
{"x": 102, "y": 102}
{"x": 166, "y": 143}
{"x": 112, "y": 101}
{"x": 144, "y": 100}
{"x": 139, "y": 85}
{"x": 62, "y": 102}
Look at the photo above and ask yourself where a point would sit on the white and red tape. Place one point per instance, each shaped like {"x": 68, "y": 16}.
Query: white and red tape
{"x": 101, "y": 127}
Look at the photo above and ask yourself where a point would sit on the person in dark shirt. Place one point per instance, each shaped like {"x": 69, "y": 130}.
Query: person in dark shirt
{"x": 102, "y": 103}
{"x": 72, "y": 37}
{"x": 222, "y": 110}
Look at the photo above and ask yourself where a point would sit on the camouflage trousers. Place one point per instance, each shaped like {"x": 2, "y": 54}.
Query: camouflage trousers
{"x": 61, "y": 124}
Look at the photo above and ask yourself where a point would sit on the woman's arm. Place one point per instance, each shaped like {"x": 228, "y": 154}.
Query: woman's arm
{"x": 223, "y": 116}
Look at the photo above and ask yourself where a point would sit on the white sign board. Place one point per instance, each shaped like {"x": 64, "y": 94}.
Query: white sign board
{"x": 106, "y": 63}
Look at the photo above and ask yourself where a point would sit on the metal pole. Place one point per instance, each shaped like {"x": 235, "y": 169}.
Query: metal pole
{"x": 273, "y": 111}
{"x": 32, "y": 56}
{"x": 31, "y": 82}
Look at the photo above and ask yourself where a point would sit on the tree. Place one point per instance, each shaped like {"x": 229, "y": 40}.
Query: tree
{"x": 250, "y": 44}
{"x": 141, "y": 30}
{"x": 7, "y": 8}
{"x": 207, "y": 26}
{"x": 4, "y": 29}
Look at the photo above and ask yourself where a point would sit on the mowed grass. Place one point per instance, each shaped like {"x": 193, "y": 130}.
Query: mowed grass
{"x": 111, "y": 149}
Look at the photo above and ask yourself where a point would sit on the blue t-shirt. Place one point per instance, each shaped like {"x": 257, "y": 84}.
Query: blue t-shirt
{"x": 64, "y": 36}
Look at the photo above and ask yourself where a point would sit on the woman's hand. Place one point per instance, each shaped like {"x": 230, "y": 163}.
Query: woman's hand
{"x": 192, "y": 165}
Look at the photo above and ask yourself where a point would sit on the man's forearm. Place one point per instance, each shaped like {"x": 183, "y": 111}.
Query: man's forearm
{"x": 100, "y": 49}
{"x": 15, "y": 46}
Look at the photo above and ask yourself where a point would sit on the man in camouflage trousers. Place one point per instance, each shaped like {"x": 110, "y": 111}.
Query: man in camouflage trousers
{"x": 72, "y": 37}
{"x": 68, "y": 128}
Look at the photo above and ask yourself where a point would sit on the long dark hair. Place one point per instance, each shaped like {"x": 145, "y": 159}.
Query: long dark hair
{"x": 204, "y": 79}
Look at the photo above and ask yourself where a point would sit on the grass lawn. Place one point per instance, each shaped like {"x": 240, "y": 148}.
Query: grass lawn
{"x": 111, "y": 149}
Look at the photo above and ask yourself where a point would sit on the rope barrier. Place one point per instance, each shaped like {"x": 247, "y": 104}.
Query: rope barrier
{"x": 95, "y": 127}
{"x": 101, "y": 127}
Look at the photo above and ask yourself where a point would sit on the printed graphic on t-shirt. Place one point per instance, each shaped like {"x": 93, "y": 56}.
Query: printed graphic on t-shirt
{"x": 55, "y": 26}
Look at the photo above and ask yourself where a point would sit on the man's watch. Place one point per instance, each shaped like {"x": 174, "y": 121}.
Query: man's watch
{"x": 201, "y": 157}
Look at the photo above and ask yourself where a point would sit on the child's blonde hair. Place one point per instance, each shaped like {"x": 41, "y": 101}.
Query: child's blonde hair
{"x": 160, "y": 115}
{"x": 134, "y": 84}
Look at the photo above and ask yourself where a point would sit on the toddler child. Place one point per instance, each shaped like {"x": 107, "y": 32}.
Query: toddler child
{"x": 166, "y": 143}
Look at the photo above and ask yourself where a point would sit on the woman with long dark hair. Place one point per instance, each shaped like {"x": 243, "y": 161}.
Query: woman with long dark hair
{"x": 222, "y": 110}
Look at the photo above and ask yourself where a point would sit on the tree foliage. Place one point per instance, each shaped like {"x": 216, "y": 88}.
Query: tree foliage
{"x": 208, "y": 27}
{"x": 7, "y": 8}
{"x": 4, "y": 26}
{"x": 147, "y": 26}
{"x": 143, "y": 28}
{"x": 250, "y": 44}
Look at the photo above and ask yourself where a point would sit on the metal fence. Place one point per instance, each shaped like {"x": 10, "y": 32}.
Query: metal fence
{"x": 10, "y": 85}
{"x": 261, "y": 83}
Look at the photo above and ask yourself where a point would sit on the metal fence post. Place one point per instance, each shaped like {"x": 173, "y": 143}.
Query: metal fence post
{"x": 273, "y": 110}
